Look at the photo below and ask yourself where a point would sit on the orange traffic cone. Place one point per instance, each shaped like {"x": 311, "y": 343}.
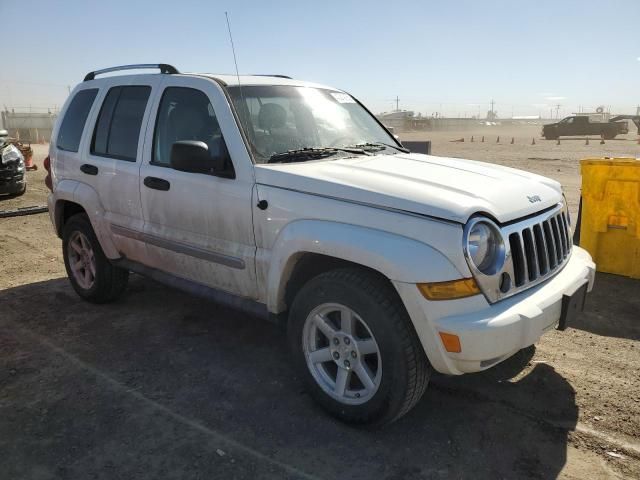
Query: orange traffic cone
{"x": 28, "y": 161}
{"x": 498, "y": 139}
{"x": 533, "y": 141}
{"x": 586, "y": 142}
{"x": 602, "y": 140}
{"x": 471, "y": 139}
{"x": 558, "y": 142}
{"x": 513, "y": 140}
{"x": 482, "y": 141}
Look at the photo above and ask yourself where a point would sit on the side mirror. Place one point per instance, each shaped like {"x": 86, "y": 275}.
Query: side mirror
{"x": 193, "y": 156}
{"x": 190, "y": 156}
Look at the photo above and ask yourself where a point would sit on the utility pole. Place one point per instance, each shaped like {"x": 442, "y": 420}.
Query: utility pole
{"x": 492, "y": 104}
{"x": 558, "y": 111}
{"x": 397, "y": 104}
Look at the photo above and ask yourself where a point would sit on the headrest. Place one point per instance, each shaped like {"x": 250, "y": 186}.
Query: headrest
{"x": 271, "y": 116}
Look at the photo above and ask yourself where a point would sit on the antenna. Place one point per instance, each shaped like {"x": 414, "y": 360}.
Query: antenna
{"x": 233, "y": 49}
{"x": 244, "y": 103}
{"x": 235, "y": 61}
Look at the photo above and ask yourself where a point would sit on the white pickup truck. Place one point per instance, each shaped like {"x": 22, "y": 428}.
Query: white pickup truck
{"x": 290, "y": 200}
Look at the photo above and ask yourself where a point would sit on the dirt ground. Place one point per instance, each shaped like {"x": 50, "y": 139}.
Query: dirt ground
{"x": 164, "y": 385}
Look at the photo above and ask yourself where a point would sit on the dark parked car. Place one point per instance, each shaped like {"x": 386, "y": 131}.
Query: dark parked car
{"x": 12, "y": 178}
{"x": 583, "y": 125}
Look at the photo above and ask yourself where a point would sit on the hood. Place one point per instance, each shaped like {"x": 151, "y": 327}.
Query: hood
{"x": 447, "y": 188}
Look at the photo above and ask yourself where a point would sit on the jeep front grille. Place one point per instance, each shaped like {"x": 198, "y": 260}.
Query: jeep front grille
{"x": 539, "y": 249}
{"x": 536, "y": 248}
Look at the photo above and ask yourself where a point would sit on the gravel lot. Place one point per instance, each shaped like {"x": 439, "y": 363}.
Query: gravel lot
{"x": 164, "y": 385}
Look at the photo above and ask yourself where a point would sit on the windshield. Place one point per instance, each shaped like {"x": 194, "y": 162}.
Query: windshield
{"x": 278, "y": 119}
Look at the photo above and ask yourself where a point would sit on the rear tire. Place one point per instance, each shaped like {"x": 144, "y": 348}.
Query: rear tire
{"x": 376, "y": 341}
{"x": 90, "y": 272}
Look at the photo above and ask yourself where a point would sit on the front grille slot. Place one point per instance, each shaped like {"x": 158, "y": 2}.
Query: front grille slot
{"x": 538, "y": 247}
{"x": 551, "y": 245}
{"x": 558, "y": 239}
{"x": 541, "y": 250}
{"x": 567, "y": 235}
{"x": 530, "y": 254}
{"x": 517, "y": 253}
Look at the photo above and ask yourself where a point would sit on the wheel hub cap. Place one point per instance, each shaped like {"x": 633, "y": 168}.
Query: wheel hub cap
{"x": 342, "y": 354}
{"x": 82, "y": 261}
{"x": 345, "y": 350}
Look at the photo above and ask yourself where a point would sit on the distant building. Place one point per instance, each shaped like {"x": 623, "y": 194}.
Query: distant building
{"x": 600, "y": 115}
{"x": 404, "y": 120}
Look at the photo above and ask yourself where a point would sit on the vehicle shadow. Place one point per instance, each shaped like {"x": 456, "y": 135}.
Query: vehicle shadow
{"x": 612, "y": 309}
{"x": 164, "y": 385}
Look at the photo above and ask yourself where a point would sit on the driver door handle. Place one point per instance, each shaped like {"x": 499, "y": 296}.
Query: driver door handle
{"x": 157, "y": 183}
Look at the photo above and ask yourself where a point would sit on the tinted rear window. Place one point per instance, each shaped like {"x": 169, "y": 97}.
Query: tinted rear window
{"x": 118, "y": 126}
{"x": 101, "y": 134}
{"x": 74, "y": 120}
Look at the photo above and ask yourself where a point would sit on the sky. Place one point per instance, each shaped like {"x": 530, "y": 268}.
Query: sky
{"x": 451, "y": 57}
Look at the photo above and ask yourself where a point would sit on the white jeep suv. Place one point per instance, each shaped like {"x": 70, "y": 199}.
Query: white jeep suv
{"x": 290, "y": 200}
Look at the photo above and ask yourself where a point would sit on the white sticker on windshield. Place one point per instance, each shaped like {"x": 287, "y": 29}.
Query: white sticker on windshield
{"x": 342, "y": 97}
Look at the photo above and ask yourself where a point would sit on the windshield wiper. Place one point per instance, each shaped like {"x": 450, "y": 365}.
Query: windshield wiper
{"x": 308, "y": 153}
{"x": 381, "y": 146}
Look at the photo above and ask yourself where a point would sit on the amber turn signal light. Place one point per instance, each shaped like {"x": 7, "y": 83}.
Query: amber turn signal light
{"x": 464, "y": 287}
{"x": 451, "y": 342}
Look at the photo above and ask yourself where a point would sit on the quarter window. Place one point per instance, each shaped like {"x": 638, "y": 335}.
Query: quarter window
{"x": 74, "y": 120}
{"x": 186, "y": 114}
{"x": 118, "y": 127}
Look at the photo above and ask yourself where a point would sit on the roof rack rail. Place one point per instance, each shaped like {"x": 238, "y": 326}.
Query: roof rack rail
{"x": 164, "y": 68}
{"x": 276, "y": 75}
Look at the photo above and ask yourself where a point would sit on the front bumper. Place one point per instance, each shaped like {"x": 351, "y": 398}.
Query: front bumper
{"x": 11, "y": 184}
{"x": 491, "y": 333}
{"x": 12, "y": 180}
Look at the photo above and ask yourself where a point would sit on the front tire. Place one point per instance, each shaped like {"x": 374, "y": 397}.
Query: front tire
{"x": 354, "y": 345}
{"x": 91, "y": 274}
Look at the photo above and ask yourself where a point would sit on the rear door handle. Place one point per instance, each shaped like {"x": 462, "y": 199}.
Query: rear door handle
{"x": 157, "y": 183}
{"x": 89, "y": 169}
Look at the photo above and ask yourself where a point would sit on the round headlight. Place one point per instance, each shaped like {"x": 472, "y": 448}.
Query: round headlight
{"x": 485, "y": 248}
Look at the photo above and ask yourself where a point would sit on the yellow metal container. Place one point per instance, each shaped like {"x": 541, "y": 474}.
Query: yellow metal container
{"x": 610, "y": 225}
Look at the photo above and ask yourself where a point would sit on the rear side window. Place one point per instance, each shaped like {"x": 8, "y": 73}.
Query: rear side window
{"x": 118, "y": 127}
{"x": 74, "y": 120}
